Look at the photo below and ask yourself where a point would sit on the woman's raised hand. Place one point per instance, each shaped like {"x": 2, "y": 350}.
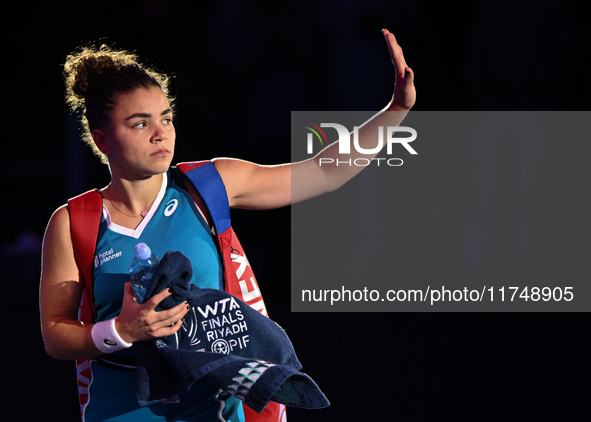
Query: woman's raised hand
{"x": 142, "y": 322}
{"x": 404, "y": 90}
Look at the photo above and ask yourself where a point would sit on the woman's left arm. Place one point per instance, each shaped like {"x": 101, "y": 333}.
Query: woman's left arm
{"x": 254, "y": 186}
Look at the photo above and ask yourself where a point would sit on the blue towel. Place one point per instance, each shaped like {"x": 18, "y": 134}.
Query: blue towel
{"x": 222, "y": 341}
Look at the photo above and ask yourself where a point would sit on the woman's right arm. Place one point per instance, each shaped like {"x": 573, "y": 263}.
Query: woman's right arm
{"x": 61, "y": 291}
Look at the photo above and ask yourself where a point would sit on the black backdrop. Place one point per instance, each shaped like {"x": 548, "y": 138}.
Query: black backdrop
{"x": 240, "y": 68}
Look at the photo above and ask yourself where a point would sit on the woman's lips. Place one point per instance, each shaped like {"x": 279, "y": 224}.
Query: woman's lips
{"x": 161, "y": 153}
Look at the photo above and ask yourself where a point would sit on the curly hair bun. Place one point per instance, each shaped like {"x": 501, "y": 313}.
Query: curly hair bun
{"x": 88, "y": 63}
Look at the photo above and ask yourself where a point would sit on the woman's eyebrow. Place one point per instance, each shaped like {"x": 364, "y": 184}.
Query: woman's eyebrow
{"x": 147, "y": 115}
{"x": 141, "y": 115}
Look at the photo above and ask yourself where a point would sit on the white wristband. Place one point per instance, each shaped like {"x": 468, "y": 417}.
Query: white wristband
{"x": 106, "y": 338}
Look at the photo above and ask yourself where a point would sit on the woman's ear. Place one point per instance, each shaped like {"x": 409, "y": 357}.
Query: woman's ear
{"x": 99, "y": 138}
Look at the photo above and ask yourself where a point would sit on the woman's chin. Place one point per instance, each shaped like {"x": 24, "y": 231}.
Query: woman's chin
{"x": 162, "y": 165}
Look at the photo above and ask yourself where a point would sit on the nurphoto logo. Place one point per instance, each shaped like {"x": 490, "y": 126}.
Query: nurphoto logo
{"x": 345, "y": 143}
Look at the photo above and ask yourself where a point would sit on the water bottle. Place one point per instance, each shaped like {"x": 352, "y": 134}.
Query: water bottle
{"x": 141, "y": 270}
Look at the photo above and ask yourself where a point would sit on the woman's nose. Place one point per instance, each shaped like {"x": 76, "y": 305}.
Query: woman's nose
{"x": 159, "y": 135}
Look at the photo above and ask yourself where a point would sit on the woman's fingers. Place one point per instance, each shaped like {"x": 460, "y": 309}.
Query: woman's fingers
{"x": 173, "y": 315}
{"x": 143, "y": 322}
{"x": 156, "y": 299}
{"x": 390, "y": 42}
{"x": 169, "y": 321}
{"x": 404, "y": 92}
{"x": 170, "y": 329}
{"x": 396, "y": 54}
{"x": 166, "y": 317}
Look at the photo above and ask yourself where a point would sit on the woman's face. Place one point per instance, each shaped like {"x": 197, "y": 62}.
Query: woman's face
{"x": 140, "y": 141}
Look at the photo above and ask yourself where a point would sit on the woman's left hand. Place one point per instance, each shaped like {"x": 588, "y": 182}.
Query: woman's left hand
{"x": 404, "y": 90}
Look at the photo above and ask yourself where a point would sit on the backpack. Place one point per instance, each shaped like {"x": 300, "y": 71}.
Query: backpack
{"x": 85, "y": 216}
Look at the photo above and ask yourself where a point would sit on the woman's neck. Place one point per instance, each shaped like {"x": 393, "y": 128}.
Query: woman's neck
{"x": 131, "y": 198}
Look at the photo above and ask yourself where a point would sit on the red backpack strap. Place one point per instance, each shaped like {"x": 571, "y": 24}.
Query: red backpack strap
{"x": 85, "y": 218}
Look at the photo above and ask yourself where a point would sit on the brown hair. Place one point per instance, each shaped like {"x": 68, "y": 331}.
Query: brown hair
{"x": 95, "y": 76}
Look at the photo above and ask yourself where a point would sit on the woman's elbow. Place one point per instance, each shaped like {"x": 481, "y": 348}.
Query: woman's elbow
{"x": 53, "y": 349}
{"x": 58, "y": 344}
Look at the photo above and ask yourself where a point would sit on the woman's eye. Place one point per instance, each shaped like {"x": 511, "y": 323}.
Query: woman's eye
{"x": 168, "y": 121}
{"x": 140, "y": 125}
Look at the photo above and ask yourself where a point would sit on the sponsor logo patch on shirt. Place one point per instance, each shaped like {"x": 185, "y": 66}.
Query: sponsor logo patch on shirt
{"x": 106, "y": 256}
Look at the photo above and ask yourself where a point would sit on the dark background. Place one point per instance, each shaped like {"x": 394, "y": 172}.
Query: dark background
{"x": 240, "y": 68}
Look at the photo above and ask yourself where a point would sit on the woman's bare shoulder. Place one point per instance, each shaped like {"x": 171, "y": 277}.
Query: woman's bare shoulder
{"x": 57, "y": 242}
{"x": 60, "y": 219}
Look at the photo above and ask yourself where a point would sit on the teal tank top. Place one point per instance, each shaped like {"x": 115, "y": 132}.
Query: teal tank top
{"x": 172, "y": 224}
